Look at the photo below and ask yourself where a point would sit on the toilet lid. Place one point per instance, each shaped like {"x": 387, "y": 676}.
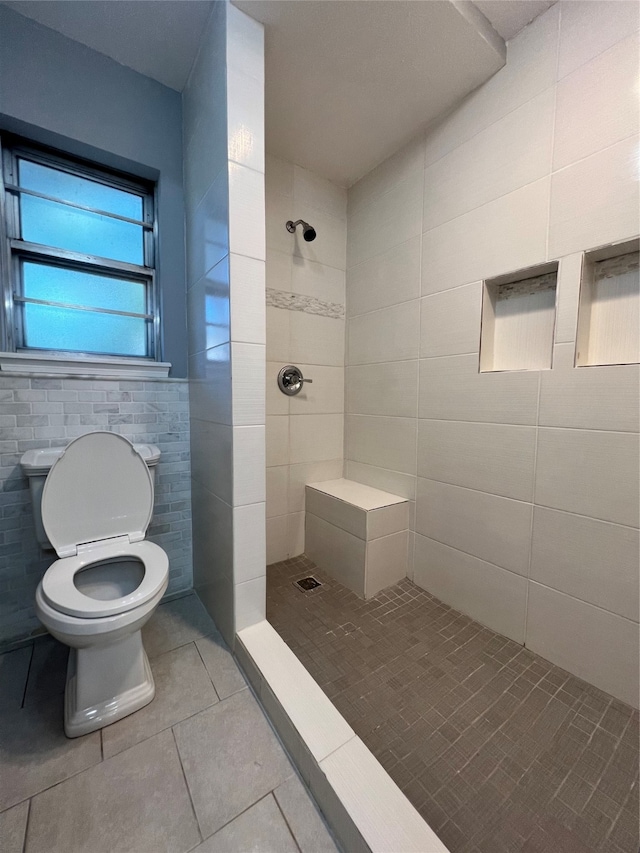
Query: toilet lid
{"x": 99, "y": 488}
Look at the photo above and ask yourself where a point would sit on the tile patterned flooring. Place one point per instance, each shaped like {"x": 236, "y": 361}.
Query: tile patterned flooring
{"x": 498, "y": 749}
{"x": 199, "y": 769}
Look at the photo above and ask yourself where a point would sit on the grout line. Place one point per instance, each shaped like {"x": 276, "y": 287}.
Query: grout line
{"x": 26, "y": 681}
{"x": 553, "y": 140}
{"x": 284, "y": 817}
{"x": 184, "y": 776}
{"x": 529, "y": 581}
{"x": 26, "y": 826}
{"x": 206, "y": 669}
{"x": 533, "y": 494}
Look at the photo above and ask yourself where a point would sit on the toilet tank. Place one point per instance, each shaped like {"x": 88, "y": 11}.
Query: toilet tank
{"x": 36, "y": 464}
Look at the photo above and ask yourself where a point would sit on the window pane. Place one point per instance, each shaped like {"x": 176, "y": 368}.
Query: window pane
{"x": 65, "y": 227}
{"x": 43, "y": 179}
{"x": 83, "y": 331}
{"x": 57, "y": 284}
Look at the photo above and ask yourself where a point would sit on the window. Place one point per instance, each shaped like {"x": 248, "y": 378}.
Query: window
{"x": 78, "y": 272}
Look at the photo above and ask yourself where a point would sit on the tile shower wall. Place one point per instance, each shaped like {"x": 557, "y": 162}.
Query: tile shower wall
{"x": 525, "y": 484}
{"x": 49, "y": 413}
{"x": 224, "y": 189}
{"x": 306, "y": 327}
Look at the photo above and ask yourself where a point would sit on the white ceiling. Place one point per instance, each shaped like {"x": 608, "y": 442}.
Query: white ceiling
{"x": 158, "y": 38}
{"x": 508, "y": 17}
{"x": 346, "y": 82}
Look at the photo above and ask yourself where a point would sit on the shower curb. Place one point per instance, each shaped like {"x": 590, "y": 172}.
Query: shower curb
{"x": 364, "y": 807}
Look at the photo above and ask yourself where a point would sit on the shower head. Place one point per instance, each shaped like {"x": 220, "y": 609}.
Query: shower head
{"x": 308, "y": 232}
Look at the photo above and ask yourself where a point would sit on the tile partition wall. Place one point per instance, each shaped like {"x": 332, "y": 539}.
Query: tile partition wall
{"x": 305, "y": 432}
{"x": 224, "y": 200}
{"x": 524, "y": 484}
{"x": 51, "y": 412}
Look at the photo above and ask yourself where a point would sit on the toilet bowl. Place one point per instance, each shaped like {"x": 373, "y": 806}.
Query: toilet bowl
{"x": 97, "y": 503}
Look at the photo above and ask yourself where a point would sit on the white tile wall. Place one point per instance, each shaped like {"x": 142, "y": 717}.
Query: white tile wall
{"x": 247, "y": 308}
{"x": 245, "y": 119}
{"x": 248, "y": 465}
{"x": 386, "y": 221}
{"x": 557, "y": 626}
{"x": 567, "y": 296}
{"x": 390, "y": 334}
{"x": 514, "y": 151}
{"x": 249, "y": 544}
{"x": 493, "y": 528}
{"x": 395, "y": 482}
{"x": 224, "y": 166}
{"x": 530, "y": 69}
{"x": 452, "y": 389}
{"x": 449, "y": 321}
{"x": 246, "y": 211}
{"x": 608, "y": 84}
{"x": 324, "y": 395}
{"x": 304, "y": 433}
{"x": 386, "y": 442}
{"x": 277, "y": 490}
{"x": 601, "y": 398}
{"x": 213, "y": 470}
{"x": 388, "y": 388}
{"x": 315, "y": 438}
{"x": 589, "y": 29}
{"x": 595, "y": 201}
{"x": 494, "y": 458}
{"x": 386, "y": 279}
{"x": 248, "y": 371}
{"x": 493, "y": 596}
{"x": 404, "y": 165}
{"x": 315, "y": 339}
{"x": 313, "y": 279}
{"x": 507, "y": 234}
{"x": 574, "y": 554}
{"x": 590, "y": 473}
{"x": 310, "y": 472}
{"x": 497, "y": 196}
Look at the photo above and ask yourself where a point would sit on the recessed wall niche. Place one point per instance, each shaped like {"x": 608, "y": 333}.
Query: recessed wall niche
{"x": 518, "y": 319}
{"x": 609, "y": 310}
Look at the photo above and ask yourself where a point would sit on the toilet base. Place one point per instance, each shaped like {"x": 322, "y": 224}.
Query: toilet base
{"x": 105, "y": 684}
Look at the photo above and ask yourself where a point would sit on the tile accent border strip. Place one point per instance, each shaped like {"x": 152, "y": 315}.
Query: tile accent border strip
{"x": 306, "y": 304}
{"x": 618, "y": 265}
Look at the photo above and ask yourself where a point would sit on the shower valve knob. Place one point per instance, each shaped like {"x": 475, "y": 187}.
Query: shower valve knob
{"x": 291, "y": 380}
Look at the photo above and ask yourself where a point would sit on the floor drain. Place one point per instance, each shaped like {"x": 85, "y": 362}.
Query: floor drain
{"x": 307, "y": 584}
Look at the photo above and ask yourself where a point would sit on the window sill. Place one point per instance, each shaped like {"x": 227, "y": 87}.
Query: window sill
{"x": 87, "y": 367}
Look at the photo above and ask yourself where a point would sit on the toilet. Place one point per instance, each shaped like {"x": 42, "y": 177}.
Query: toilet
{"x": 96, "y": 505}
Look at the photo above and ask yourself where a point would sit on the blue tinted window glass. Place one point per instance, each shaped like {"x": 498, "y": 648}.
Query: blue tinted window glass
{"x": 74, "y": 287}
{"x": 83, "y": 331}
{"x": 42, "y": 179}
{"x": 65, "y": 227}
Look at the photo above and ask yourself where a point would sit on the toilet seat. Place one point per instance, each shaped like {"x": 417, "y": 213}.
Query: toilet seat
{"x": 60, "y": 592}
{"x": 99, "y": 489}
{"x": 97, "y": 503}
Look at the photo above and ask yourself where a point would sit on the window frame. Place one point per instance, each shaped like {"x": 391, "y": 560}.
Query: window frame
{"x": 14, "y": 251}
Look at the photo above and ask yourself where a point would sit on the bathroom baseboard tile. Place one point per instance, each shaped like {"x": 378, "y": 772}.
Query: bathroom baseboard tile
{"x": 361, "y": 803}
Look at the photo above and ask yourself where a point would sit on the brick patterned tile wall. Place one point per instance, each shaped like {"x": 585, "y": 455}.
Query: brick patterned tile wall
{"x": 38, "y": 413}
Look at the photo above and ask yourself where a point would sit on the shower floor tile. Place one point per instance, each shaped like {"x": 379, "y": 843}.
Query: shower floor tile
{"x": 498, "y": 749}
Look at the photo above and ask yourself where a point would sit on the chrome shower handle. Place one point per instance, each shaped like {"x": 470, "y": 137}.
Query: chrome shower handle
{"x": 291, "y": 380}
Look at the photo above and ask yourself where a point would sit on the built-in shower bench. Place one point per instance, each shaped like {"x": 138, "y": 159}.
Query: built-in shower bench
{"x": 357, "y": 534}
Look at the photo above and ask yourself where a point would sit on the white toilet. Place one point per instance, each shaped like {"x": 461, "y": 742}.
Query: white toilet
{"x": 96, "y": 506}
